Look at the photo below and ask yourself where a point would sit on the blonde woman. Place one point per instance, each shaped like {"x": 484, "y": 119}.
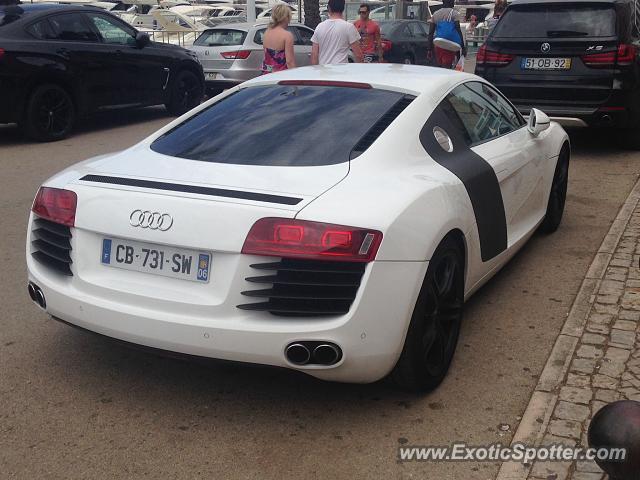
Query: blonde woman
{"x": 278, "y": 41}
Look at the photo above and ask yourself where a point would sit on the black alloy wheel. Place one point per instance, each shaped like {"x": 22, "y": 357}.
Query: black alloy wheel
{"x": 50, "y": 114}
{"x": 186, "y": 93}
{"x": 435, "y": 324}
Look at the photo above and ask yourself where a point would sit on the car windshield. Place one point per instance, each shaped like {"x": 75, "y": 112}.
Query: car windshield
{"x": 557, "y": 20}
{"x": 221, "y": 38}
{"x": 280, "y": 125}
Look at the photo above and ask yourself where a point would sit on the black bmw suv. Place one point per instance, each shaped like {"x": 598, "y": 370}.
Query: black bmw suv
{"x": 60, "y": 63}
{"x": 577, "y": 60}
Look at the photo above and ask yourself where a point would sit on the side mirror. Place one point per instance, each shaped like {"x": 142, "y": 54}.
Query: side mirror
{"x": 142, "y": 39}
{"x": 538, "y": 122}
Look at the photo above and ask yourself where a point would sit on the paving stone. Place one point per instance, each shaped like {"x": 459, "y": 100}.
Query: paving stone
{"x": 606, "y": 395}
{"x": 627, "y": 325}
{"x": 597, "y": 328}
{"x": 588, "y": 466}
{"x": 622, "y": 256}
{"x": 578, "y": 380}
{"x": 611, "y": 369}
{"x": 606, "y": 309}
{"x": 622, "y": 337}
{"x": 617, "y": 355}
{"x": 583, "y": 365}
{"x": 571, "y": 411}
{"x": 587, "y": 476}
{"x": 620, "y": 262}
{"x": 589, "y": 351}
{"x": 611, "y": 287}
{"x": 565, "y": 428}
{"x": 608, "y": 299}
{"x": 630, "y": 314}
{"x": 602, "y": 381}
{"x": 595, "y": 406}
{"x": 576, "y": 395}
{"x": 551, "y": 470}
{"x": 593, "y": 338}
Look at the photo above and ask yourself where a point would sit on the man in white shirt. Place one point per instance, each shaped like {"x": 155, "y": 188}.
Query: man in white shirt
{"x": 334, "y": 37}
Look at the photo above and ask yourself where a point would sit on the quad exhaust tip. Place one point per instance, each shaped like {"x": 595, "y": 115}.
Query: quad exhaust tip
{"x": 313, "y": 353}
{"x": 36, "y": 294}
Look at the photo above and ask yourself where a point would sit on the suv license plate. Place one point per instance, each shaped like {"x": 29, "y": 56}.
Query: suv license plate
{"x": 545, "y": 63}
{"x": 156, "y": 259}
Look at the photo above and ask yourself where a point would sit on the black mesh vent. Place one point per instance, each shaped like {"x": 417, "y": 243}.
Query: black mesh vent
{"x": 380, "y": 126}
{"x": 305, "y": 287}
{"x": 52, "y": 245}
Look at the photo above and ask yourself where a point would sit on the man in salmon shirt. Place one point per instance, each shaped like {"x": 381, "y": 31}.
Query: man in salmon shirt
{"x": 369, "y": 31}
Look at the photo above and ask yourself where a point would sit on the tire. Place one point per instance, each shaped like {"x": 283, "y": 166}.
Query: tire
{"x": 50, "y": 114}
{"x": 408, "y": 60}
{"x": 433, "y": 332}
{"x": 558, "y": 193}
{"x": 187, "y": 91}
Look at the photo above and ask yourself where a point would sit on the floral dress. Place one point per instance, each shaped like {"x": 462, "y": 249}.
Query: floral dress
{"x": 274, "y": 61}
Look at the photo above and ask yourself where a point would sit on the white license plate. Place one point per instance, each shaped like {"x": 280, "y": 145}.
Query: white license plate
{"x": 545, "y": 63}
{"x": 211, "y": 75}
{"x": 156, "y": 259}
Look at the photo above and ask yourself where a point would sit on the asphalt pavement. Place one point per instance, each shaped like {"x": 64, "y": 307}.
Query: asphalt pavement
{"x": 73, "y": 405}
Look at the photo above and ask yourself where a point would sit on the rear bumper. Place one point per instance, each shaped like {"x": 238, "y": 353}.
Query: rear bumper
{"x": 371, "y": 335}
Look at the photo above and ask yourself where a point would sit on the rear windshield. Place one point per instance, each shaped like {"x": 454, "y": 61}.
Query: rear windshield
{"x": 557, "y": 21}
{"x": 280, "y": 125}
{"x": 221, "y": 38}
{"x": 9, "y": 15}
{"x": 386, "y": 27}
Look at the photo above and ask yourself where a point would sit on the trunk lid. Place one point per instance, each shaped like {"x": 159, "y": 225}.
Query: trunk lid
{"x": 547, "y": 44}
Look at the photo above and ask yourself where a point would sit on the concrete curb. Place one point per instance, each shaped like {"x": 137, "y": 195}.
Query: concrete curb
{"x": 543, "y": 399}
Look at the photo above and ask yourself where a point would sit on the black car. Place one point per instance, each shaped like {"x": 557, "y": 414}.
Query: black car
{"x": 404, "y": 41}
{"x": 577, "y": 60}
{"x": 60, "y": 63}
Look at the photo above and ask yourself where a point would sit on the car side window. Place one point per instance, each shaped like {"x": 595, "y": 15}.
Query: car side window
{"x": 111, "y": 32}
{"x": 41, "y": 30}
{"x": 71, "y": 26}
{"x": 406, "y": 32}
{"x": 416, "y": 30}
{"x": 501, "y": 102}
{"x": 305, "y": 35}
{"x": 259, "y": 36}
{"x": 481, "y": 117}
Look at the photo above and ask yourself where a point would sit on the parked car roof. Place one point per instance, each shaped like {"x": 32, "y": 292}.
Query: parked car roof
{"x": 246, "y": 26}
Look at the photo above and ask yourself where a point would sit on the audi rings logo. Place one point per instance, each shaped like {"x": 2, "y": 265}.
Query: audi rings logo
{"x": 151, "y": 220}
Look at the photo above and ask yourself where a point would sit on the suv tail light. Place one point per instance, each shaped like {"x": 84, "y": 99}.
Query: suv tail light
{"x": 1, "y": 53}
{"x": 491, "y": 58}
{"x": 625, "y": 55}
{"x": 236, "y": 55}
{"x": 289, "y": 238}
{"x": 386, "y": 45}
{"x": 56, "y": 205}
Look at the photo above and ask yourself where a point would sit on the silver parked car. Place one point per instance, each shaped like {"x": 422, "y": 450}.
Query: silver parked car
{"x": 232, "y": 53}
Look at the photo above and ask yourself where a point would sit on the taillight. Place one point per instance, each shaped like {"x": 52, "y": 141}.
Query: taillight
{"x": 386, "y": 45}
{"x": 236, "y": 55}
{"x": 287, "y": 238}
{"x": 625, "y": 55}
{"x": 56, "y": 205}
{"x": 1, "y": 53}
{"x": 491, "y": 58}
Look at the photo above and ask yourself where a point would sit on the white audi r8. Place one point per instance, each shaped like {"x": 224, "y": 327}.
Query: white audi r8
{"x": 327, "y": 219}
